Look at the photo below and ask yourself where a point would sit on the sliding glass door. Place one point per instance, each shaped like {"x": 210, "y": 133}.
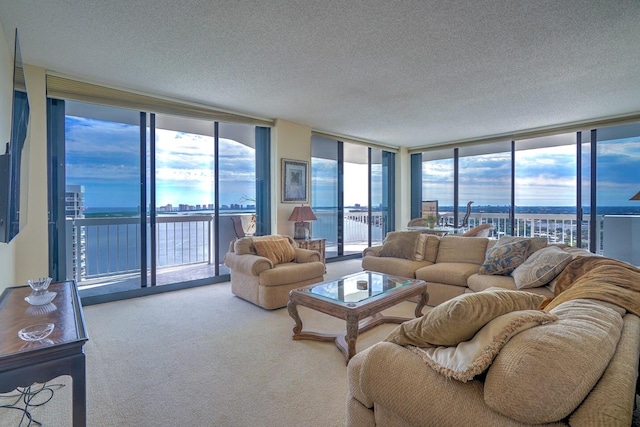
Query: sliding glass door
{"x": 149, "y": 199}
{"x": 102, "y": 196}
{"x": 352, "y": 187}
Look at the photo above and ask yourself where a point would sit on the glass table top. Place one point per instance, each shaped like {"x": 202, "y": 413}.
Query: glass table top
{"x": 348, "y": 290}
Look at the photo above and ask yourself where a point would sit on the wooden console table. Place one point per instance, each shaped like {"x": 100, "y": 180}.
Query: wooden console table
{"x": 23, "y": 363}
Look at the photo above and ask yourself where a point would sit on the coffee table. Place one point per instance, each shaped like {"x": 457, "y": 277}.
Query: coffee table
{"x": 343, "y": 299}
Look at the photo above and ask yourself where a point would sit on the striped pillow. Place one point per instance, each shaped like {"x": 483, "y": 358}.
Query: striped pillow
{"x": 279, "y": 251}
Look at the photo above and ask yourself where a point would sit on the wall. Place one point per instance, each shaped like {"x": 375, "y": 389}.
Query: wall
{"x": 7, "y": 250}
{"x": 32, "y": 243}
{"x": 403, "y": 188}
{"x": 289, "y": 141}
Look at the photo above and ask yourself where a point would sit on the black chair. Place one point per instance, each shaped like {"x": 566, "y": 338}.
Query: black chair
{"x": 465, "y": 219}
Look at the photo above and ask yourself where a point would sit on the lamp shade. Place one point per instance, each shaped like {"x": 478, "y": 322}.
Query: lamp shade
{"x": 636, "y": 197}
{"x": 302, "y": 213}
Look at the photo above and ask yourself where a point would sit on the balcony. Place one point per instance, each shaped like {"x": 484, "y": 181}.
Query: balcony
{"x": 110, "y": 248}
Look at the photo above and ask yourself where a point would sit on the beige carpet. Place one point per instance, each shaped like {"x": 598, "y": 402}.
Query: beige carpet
{"x": 202, "y": 357}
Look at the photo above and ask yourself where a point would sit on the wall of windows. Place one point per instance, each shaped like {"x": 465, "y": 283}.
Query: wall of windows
{"x": 565, "y": 187}
{"x": 150, "y": 199}
{"x": 350, "y": 195}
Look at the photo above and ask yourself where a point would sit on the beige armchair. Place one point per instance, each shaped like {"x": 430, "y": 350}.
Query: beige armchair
{"x": 264, "y": 269}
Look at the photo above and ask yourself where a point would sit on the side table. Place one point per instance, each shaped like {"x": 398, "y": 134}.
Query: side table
{"x": 314, "y": 245}
{"x": 61, "y": 353}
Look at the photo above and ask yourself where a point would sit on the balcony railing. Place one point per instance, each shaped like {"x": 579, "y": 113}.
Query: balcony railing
{"x": 101, "y": 247}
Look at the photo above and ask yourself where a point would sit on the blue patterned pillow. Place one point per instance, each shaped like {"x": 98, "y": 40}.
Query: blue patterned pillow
{"x": 504, "y": 258}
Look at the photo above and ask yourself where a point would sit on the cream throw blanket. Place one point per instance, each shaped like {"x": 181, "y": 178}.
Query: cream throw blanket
{"x": 599, "y": 278}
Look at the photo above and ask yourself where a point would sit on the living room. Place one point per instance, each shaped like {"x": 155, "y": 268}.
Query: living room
{"x": 28, "y": 255}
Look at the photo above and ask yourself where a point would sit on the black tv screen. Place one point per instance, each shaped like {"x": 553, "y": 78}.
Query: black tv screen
{"x": 14, "y": 161}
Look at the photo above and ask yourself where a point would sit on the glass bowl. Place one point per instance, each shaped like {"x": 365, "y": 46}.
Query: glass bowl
{"x": 36, "y": 332}
{"x": 40, "y": 284}
{"x": 40, "y": 298}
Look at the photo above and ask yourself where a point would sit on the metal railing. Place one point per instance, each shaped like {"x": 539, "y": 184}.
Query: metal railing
{"x": 99, "y": 247}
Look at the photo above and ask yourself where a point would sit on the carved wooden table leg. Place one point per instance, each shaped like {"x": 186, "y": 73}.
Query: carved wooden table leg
{"x": 424, "y": 299}
{"x": 352, "y": 335}
{"x": 292, "y": 308}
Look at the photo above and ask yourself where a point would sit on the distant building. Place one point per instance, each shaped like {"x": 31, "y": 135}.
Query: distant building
{"x": 76, "y": 251}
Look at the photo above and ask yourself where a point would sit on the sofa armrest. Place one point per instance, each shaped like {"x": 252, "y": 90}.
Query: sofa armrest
{"x": 248, "y": 264}
{"x": 306, "y": 255}
{"x": 372, "y": 251}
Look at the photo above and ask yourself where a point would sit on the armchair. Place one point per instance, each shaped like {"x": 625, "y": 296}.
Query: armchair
{"x": 264, "y": 269}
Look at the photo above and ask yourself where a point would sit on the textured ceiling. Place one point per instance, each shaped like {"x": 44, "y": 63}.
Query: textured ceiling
{"x": 399, "y": 72}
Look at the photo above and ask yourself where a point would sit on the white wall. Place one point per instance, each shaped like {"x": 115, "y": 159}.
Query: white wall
{"x": 289, "y": 141}
{"x": 7, "y": 251}
{"x": 32, "y": 243}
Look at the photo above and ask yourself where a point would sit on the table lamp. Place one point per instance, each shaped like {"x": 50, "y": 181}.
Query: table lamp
{"x": 302, "y": 214}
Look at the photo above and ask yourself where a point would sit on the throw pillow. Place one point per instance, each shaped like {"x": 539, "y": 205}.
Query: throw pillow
{"x": 279, "y": 251}
{"x": 541, "y": 267}
{"x": 504, "y": 258}
{"x": 420, "y": 248}
{"x": 459, "y": 318}
{"x": 536, "y": 243}
{"x": 471, "y": 358}
{"x": 400, "y": 244}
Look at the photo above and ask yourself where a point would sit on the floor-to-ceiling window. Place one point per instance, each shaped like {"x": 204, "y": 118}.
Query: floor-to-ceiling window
{"x": 102, "y": 195}
{"x": 485, "y": 179}
{"x": 567, "y": 187}
{"x": 545, "y": 188}
{"x": 325, "y": 200}
{"x": 438, "y": 182}
{"x": 618, "y": 181}
{"x": 349, "y": 194}
{"x": 151, "y": 199}
{"x": 356, "y": 198}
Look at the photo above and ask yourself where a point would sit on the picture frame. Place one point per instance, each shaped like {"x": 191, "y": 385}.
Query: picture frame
{"x": 295, "y": 181}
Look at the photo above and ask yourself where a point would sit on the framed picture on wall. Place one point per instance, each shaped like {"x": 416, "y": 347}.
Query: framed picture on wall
{"x": 295, "y": 181}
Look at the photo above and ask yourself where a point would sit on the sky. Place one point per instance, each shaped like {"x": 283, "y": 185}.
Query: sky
{"x": 104, "y": 157}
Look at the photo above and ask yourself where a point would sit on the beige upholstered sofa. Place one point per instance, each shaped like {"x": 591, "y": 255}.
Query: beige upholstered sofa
{"x": 578, "y": 370}
{"x": 264, "y": 269}
{"x": 451, "y": 264}
{"x": 480, "y": 359}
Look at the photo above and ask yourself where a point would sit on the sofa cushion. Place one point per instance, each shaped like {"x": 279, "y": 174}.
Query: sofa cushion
{"x": 450, "y": 273}
{"x": 470, "y": 358}
{"x": 462, "y": 249}
{"x": 279, "y": 251}
{"x": 504, "y": 258}
{"x": 460, "y": 318}
{"x": 482, "y": 282}
{"x": 400, "y": 244}
{"x": 541, "y": 267}
{"x": 541, "y": 375}
{"x": 393, "y": 266}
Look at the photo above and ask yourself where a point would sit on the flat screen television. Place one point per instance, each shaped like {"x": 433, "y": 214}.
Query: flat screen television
{"x": 14, "y": 157}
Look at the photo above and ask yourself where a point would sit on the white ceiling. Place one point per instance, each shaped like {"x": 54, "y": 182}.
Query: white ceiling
{"x": 400, "y": 72}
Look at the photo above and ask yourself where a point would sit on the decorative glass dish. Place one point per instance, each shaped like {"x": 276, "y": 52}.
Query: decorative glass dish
{"x": 40, "y": 284}
{"x": 36, "y": 332}
{"x": 40, "y": 299}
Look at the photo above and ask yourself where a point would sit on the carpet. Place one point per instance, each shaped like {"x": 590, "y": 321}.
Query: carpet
{"x": 203, "y": 357}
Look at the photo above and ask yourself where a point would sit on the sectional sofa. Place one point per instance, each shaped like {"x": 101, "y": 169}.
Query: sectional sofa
{"x": 451, "y": 265}
{"x": 561, "y": 350}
